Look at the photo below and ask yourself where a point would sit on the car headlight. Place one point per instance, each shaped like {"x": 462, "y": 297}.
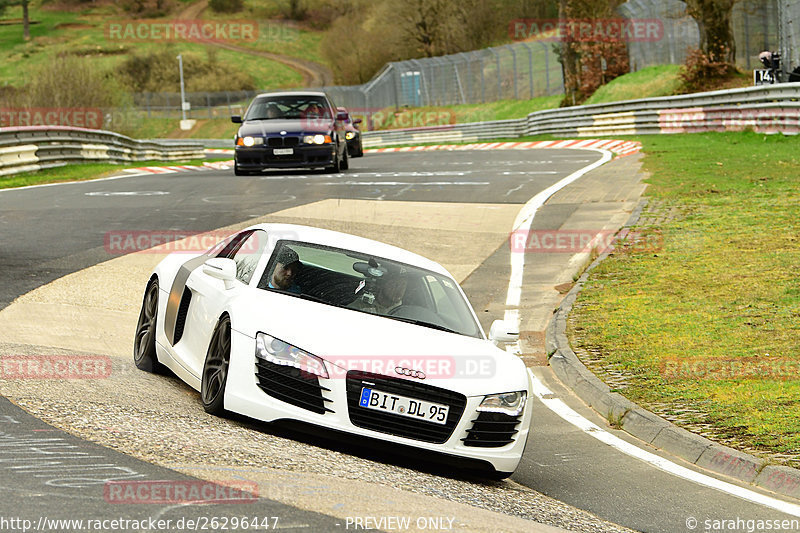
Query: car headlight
{"x": 509, "y": 403}
{"x": 350, "y": 135}
{"x": 282, "y": 353}
{"x": 317, "y": 139}
{"x": 249, "y": 141}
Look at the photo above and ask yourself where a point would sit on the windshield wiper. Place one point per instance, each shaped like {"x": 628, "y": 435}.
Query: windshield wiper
{"x": 421, "y": 323}
{"x": 312, "y": 298}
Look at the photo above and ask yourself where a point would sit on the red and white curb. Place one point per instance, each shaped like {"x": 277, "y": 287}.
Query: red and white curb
{"x": 218, "y": 150}
{"x": 620, "y": 148}
{"x": 220, "y": 165}
{"x": 164, "y": 170}
{"x": 617, "y": 147}
{"x": 216, "y": 165}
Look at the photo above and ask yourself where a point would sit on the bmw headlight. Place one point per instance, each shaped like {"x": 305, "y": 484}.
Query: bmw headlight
{"x": 317, "y": 139}
{"x": 249, "y": 141}
{"x": 509, "y": 403}
{"x": 282, "y": 353}
{"x": 350, "y": 135}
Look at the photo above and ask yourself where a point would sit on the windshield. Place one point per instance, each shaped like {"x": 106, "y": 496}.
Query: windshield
{"x": 288, "y": 107}
{"x": 369, "y": 284}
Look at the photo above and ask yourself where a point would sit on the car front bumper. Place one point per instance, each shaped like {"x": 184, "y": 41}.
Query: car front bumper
{"x": 243, "y": 395}
{"x": 260, "y": 157}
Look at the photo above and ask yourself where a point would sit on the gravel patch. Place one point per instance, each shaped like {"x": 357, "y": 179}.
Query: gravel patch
{"x": 160, "y": 420}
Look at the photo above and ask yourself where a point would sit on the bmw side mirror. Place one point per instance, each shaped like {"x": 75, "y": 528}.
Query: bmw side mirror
{"x": 357, "y": 121}
{"x": 221, "y": 268}
{"x": 502, "y": 331}
{"x": 236, "y": 119}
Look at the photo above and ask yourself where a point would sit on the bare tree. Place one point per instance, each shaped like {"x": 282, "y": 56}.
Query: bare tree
{"x": 588, "y": 63}
{"x": 714, "y": 21}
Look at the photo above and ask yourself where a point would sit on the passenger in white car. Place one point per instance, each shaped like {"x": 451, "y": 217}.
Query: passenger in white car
{"x": 287, "y": 266}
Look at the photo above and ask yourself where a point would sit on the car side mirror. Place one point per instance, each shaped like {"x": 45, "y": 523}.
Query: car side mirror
{"x": 236, "y": 119}
{"x": 221, "y": 268}
{"x": 502, "y": 331}
{"x": 357, "y": 121}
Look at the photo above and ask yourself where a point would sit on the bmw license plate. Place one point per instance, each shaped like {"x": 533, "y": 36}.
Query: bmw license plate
{"x": 404, "y": 406}
{"x": 283, "y": 151}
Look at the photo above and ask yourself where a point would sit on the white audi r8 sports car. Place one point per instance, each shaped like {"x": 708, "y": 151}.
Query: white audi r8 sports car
{"x": 283, "y": 322}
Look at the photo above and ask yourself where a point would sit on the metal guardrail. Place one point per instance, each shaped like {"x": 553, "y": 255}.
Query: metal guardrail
{"x": 768, "y": 109}
{"x": 27, "y": 149}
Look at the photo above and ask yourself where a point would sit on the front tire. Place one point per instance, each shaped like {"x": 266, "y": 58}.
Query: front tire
{"x": 215, "y": 369}
{"x": 144, "y": 346}
{"x": 337, "y": 164}
{"x": 345, "y": 162}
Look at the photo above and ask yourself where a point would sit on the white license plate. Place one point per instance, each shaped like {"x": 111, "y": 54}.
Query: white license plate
{"x": 404, "y": 406}
{"x": 283, "y": 151}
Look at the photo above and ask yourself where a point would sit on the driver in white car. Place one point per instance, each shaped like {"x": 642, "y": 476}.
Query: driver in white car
{"x": 389, "y": 292}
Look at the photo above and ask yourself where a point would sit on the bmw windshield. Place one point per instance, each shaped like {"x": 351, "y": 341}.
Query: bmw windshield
{"x": 288, "y": 107}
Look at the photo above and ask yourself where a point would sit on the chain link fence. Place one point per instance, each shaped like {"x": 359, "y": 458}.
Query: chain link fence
{"x": 757, "y": 25}
{"x": 755, "y": 29}
{"x": 680, "y": 33}
{"x": 201, "y": 105}
{"x": 522, "y": 70}
{"x": 517, "y": 71}
{"x": 512, "y": 72}
{"x": 789, "y": 17}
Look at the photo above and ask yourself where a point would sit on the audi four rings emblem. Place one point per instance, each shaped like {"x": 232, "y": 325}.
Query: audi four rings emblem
{"x": 419, "y": 374}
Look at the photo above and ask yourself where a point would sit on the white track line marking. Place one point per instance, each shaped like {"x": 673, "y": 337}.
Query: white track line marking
{"x": 556, "y": 405}
{"x": 523, "y": 222}
{"x": 110, "y": 178}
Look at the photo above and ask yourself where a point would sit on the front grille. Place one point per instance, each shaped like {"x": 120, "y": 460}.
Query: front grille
{"x": 292, "y": 385}
{"x": 280, "y": 142}
{"x": 180, "y": 319}
{"x": 398, "y": 425}
{"x": 492, "y": 430}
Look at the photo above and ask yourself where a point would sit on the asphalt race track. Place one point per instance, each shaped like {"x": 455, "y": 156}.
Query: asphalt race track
{"x": 455, "y": 207}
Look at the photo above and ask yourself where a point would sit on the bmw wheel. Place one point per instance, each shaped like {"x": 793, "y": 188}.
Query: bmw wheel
{"x": 345, "y": 162}
{"x": 144, "y": 346}
{"x": 336, "y": 167}
{"x": 215, "y": 369}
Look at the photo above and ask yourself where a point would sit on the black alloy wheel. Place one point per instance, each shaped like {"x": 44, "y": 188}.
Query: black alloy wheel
{"x": 144, "y": 346}
{"x": 215, "y": 369}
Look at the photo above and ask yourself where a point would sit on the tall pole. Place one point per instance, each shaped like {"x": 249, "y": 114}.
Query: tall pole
{"x": 183, "y": 100}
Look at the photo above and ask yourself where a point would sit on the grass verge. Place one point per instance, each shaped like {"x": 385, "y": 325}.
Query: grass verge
{"x": 703, "y": 330}
{"x": 650, "y": 82}
{"x": 86, "y": 171}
